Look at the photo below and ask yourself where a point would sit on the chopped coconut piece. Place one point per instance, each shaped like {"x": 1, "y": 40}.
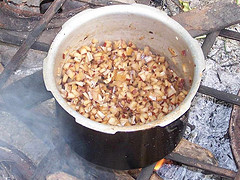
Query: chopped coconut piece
{"x": 118, "y": 84}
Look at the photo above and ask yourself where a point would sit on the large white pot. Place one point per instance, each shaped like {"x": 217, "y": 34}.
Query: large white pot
{"x": 135, "y": 146}
{"x": 141, "y": 24}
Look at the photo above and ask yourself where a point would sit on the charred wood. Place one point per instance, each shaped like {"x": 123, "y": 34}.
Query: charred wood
{"x": 155, "y": 177}
{"x": 202, "y": 165}
{"x": 146, "y": 172}
{"x": 194, "y": 151}
{"x": 221, "y": 95}
{"x": 230, "y": 34}
{"x": 208, "y": 42}
{"x": 16, "y": 40}
{"x": 210, "y": 18}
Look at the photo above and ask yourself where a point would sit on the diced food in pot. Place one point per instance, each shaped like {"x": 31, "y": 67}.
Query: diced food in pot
{"x": 118, "y": 84}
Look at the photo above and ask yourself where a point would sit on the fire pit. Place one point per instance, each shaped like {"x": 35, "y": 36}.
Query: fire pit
{"x": 34, "y": 130}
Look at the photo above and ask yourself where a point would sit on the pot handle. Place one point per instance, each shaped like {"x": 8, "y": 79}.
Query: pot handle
{"x": 173, "y": 126}
{"x": 199, "y": 55}
{"x": 46, "y": 74}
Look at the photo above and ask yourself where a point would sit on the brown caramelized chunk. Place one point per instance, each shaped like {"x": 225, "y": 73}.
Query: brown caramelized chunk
{"x": 118, "y": 84}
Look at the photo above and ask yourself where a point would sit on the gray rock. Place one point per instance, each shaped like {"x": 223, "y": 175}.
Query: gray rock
{"x": 16, "y": 133}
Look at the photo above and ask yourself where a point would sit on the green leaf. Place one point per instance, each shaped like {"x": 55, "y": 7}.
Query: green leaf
{"x": 238, "y": 2}
{"x": 185, "y": 5}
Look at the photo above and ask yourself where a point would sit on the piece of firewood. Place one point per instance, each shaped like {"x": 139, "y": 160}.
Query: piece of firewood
{"x": 191, "y": 150}
{"x": 134, "y": 172}
{"x": 155, "y": 177}
{"x": 122, "y": 175}
{"x": 210, "y": 18}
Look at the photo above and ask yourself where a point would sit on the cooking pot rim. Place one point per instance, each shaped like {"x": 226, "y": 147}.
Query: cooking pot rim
{"x": 143, "y": 10}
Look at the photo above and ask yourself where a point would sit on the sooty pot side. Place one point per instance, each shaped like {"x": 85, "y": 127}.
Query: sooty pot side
{"x": 123, "y": 150}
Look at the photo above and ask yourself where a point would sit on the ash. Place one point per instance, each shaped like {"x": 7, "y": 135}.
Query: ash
{"x": 210, "y": 116}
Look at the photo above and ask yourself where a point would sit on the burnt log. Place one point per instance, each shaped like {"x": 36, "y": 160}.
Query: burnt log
{"x": 213, "y": 17}
{"x": 230, "y": 34}
{"x": 191, "y": 150}
{"x": 208, "y": 42}
{"x": 221, "y": 95}
{"x": 186, "y": 150}
{"x": 155, "y": 177}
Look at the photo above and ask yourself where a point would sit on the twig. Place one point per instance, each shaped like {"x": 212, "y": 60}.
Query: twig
{"x": 229, "y": 65}
{"x": 20, "y": 55}
{"x": 211, "y": 58}
{"x": 218, "y": 76}
{"x": 176, "y": 2}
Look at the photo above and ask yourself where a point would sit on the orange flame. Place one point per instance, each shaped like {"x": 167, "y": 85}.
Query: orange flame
{"x": 161, "y": 163}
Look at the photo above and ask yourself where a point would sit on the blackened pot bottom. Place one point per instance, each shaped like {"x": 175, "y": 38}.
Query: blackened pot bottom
{"x": 123, "y": 150}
